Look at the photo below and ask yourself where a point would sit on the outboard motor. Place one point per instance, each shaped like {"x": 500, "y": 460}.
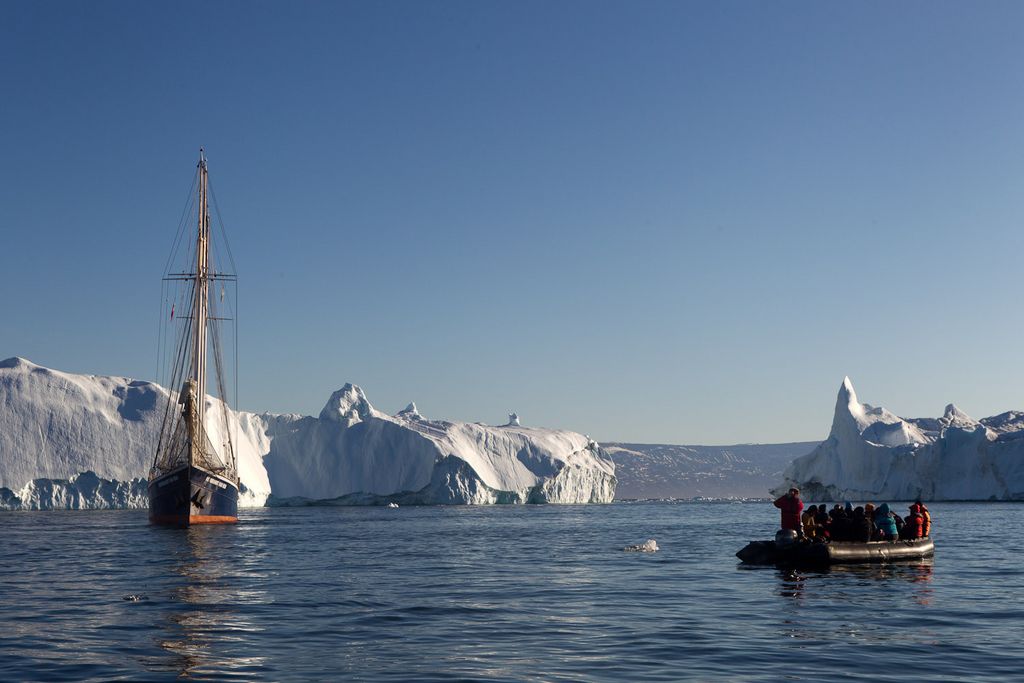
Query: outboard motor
{"x": 786, "y": 537}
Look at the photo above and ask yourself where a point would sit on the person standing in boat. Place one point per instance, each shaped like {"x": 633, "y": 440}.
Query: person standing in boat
{"x": 791, "y": 505}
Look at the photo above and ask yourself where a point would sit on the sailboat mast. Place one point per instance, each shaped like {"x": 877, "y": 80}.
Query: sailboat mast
{"x": 200, "y": 307}
{"x": 191, "y": 482}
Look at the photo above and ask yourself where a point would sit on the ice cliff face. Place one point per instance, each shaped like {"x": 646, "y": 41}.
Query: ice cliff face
{"x": 86, "y": 491}
{"x": 56, "y": 426}
{"x": 80, "y": 441}
{"x": 873, "y": 454}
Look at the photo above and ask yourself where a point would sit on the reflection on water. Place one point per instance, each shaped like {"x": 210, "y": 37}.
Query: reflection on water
{"x": 835, "y": 579}
{"x": 915, "y": 571}
{"x": 849, "y": 589}
{"x": 791, "y": 583}
{"x": 205, "y": 633}
{"x": 836, "y": 599}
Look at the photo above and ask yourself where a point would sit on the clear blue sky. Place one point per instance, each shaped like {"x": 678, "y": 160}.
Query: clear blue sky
{"x": 664, "y": 222}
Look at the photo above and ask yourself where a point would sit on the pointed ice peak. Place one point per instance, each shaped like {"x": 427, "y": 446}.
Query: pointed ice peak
{"x": 955, "y": 416}
{"x": 410, "y": 410}
{"x": 17, "y": 362}
{"x": 859, "y": 421}
{"x": 348, "y": 404}
{"x": 953, "y": 411}
{"x": 847, "y": 395}
{"x": 513, "y": 420}
{"x": 847, "y": 403}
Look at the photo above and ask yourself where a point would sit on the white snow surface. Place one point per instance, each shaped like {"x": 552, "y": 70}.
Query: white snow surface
{"x": 82, "y": 441}
{"x": 873, "y": 454}
{"x": 355, "y": 453}
{"x": 55, "y": 426}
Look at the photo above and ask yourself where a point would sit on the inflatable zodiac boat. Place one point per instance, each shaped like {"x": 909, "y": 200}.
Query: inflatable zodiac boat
{"x": 789, "y": 550}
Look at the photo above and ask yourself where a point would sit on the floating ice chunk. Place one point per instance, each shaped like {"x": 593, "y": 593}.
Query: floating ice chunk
{"x": 648, "y": 546}
{"x": 392, "y": 505}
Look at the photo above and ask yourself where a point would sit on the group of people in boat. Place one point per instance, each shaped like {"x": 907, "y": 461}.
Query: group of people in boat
{"x": 848, "y": 523}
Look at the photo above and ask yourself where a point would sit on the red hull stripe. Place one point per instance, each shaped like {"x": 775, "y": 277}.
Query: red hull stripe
{"x": 202, "y": 519}
{"x": 212, "y": 519}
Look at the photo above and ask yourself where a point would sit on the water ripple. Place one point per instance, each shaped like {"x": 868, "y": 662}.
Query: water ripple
{"x": 531, "y": 593}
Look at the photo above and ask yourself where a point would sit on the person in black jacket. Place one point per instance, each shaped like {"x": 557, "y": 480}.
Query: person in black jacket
{"x": 899, "y": 523}
{"x": 823, "y": 522}
{"x": 862, "y": 527}
{"x": 840, "y": 525}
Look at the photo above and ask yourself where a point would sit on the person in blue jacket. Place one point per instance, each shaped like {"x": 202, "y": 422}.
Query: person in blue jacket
{"x": 885, "y": 523}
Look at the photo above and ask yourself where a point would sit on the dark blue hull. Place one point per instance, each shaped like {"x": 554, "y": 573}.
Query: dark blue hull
{"x": 191, "y": 495}
{"x": 837, "y": 552}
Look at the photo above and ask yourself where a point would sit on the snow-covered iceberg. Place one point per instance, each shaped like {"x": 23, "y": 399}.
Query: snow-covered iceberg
{"x": 82, "y": 441}
{"x": 872, "y": 453}
{"x": 57, "y": 426}
{"x": 355, "y": 453}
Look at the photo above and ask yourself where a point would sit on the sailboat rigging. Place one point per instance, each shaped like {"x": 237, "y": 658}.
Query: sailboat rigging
{"x": 194, "y": 481}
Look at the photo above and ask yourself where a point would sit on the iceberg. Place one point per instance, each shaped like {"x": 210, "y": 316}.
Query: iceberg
{"x": 70, "y": 441}
{"x": 55, "y": 427}
{"x": 85, "y": 491}
{"x": 872, "y": 453}
{"x": 354, "y": 453}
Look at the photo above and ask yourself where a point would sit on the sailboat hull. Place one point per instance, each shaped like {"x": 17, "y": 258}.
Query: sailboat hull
{"x": 191, "y": 495}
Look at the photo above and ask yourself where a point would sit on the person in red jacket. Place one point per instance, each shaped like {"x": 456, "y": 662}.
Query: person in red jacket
{"x": 791, "y": 505}
{"x": 920, "y": 508}
{"x": 913, "y": 526}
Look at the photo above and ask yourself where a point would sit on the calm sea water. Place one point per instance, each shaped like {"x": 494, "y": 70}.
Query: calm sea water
{"x": 524, "y": 593}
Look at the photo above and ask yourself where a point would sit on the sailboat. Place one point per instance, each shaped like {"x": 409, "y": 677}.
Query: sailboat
{"x": 192, "y": 481}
